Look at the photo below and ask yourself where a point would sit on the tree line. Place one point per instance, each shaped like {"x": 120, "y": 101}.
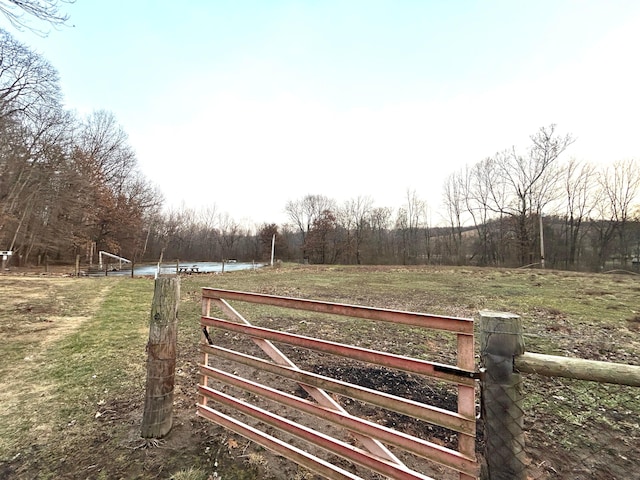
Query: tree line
{"x": 513, "y": 209}
{"x": 67, "y": 183}
{"x": 71, "y": 185}
{"x": 535, "y": 208}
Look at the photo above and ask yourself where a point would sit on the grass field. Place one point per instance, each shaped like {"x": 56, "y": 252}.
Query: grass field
{"x": 73, "y": 365}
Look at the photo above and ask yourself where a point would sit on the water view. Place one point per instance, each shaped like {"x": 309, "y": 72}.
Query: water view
{"x": 185, "y": 267}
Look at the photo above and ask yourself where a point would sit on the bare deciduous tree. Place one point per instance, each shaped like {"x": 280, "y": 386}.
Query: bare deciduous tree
{"x": 320, "y": 243}
{"x": 409, "y": 220}
{"x": 353, "y": 217}
{"x": 530, "y": 181}
{"x": 21, "y": 12}
{"x": 28, "y": 83}
{"x": 229, "y": 235}
{"x": 477, "y": 188}
{"x": 453, "y": 199}
{"x": 303, "y": 213}
{"x": 380, "y": 225}
{"x": 104, "y": 146}
{"x": 579, "y": 189}
{"x": 619, "y": 187}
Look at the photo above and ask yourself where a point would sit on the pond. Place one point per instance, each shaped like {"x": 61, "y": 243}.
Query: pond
{"x": 187, "y": 267}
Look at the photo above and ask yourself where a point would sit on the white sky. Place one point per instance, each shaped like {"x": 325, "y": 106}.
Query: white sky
{"x": 248, "y": 104}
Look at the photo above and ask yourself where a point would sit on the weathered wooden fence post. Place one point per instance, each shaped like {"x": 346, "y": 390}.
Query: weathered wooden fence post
{"x": 500, "y": 341}
{"x": 161, "y": 358}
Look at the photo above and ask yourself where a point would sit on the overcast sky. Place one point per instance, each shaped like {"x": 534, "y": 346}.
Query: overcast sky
{"x": 246, "y": 105}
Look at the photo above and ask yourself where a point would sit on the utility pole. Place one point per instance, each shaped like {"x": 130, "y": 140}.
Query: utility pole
{"x": 273, "y": 247}
{"x": 541, "y": 241}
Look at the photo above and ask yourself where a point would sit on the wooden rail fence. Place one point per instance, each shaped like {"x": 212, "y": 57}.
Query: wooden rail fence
{"x": 504, "y": 360}
{"x": 370, "y": 450}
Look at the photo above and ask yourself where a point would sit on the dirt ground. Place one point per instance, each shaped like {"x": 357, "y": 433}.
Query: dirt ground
{"x": 110, "y": 446}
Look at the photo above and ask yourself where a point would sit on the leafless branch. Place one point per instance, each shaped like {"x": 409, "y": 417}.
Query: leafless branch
{"x": 21, "y": 12}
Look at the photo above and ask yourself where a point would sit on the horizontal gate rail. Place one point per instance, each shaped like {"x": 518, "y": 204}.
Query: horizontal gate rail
{"x": 276, "y": 445}
{"x": 415, "y": 445}
{"x": 407, "y": 364}
{"x": 279, "y": 358}
{"x": 326, "y": 442}
{"x": 437, "y": 416}
{"x": 371, "y": 453}
{"x": 423, "y": 320}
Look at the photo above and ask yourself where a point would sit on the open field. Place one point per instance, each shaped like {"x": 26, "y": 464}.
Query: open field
{"x": 73, "y": 366}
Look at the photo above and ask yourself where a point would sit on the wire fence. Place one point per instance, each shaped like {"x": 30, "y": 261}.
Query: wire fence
{"x": 578, "y": 429}
{"x": 547, "y": 427}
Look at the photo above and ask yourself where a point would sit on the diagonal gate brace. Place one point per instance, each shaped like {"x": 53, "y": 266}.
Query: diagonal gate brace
{"x": 319, "y": 395}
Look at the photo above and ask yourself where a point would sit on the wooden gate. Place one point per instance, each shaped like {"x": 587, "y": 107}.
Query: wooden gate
{"x": 246, "y": 406}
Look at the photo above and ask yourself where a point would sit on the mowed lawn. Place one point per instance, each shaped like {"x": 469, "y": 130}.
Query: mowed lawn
{"x": 73, "y": 359}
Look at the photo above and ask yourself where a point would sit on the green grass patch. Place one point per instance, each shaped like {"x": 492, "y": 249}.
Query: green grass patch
{"x": 55, "y": 379}
{"x": 106, "y": 355}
